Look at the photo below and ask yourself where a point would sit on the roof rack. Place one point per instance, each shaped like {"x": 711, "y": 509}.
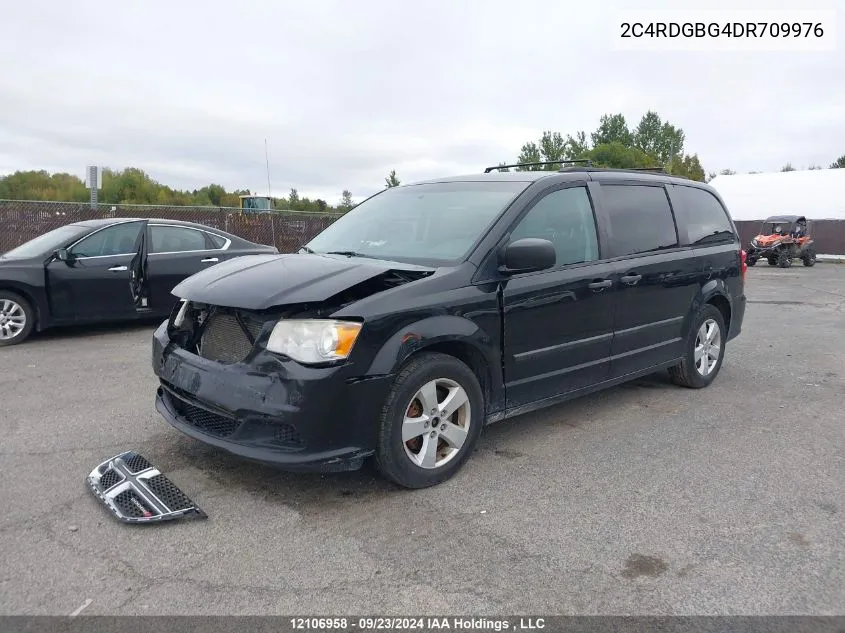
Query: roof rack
{"x": 657, "y": 170}
{"x": 547, "y": 162}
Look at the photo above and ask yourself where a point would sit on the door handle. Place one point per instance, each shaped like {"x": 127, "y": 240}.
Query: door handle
{"x": 118, "y": 269}
{"x": 631, "y": 279}
{"x": 209, "y": 259}
{"x": 600, "y": 285}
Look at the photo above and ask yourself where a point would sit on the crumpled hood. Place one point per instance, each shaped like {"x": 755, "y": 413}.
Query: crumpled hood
{"x": 258, "y": 282}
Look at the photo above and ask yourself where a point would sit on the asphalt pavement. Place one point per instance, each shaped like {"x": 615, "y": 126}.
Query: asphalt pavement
{"x": 644, "y": 499}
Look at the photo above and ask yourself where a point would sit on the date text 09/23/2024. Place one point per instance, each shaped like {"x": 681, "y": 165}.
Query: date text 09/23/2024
{"x": 432, "y": 623}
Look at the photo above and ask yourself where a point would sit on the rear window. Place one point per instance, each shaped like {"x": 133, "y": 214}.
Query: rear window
{"x": 702, "y": 214}
{"x": 640, "y": 218}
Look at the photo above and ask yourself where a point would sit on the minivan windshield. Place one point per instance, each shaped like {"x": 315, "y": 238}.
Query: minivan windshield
{"x": 432, "y": 221}
{"x": 46, "y": 243}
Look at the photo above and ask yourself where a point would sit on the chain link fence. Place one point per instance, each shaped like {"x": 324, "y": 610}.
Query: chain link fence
{"x": 20, "y": 221}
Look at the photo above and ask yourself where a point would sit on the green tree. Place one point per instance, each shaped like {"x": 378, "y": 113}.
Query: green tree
{"x": 687, "y": 167}
{"x": 552, "y": 147}
{"x": 787, "y": 167}
{"x": 576, "y": 146}
{"x": 392, "y": 180}
{"x": 658, "y": 138}
{"x": 617, "y": 155}
{"x": 293, "y": 199}
{"x": 612, "y": 129}
{"x": 346, "y": 200}
{"x": 839, "y": 163}
{"x": 529, "y": 153}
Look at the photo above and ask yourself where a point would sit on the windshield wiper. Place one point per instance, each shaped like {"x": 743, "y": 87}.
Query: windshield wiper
{"x": 310, "y": 251}
{"x": 347, "y": 253}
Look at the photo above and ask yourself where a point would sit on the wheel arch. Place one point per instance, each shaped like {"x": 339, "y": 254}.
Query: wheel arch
{"x": 31, "y": 296}
{"x": 451, "y": 335}
{"x": 715, "y": 293}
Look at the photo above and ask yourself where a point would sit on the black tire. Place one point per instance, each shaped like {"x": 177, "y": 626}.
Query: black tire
{"x": 772, "y": 261}
{"x": 751, "y": 261}
{"x": 685, "y": 373}
{"x": 784, "y": 259}
{"x": 391, "y": 457}
{"x": 809, "y": 257}
{"x": 28, "y": 313}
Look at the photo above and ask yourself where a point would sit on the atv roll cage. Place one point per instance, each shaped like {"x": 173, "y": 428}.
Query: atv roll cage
{"x": 783, "y": 238}
{"x": 795, "y": 225}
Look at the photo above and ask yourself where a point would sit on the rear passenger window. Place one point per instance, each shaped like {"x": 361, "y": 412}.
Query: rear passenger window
{"x": 703, "y": 215}
{"x": 219, "y": 242}
{"x": 565, "y": 218}
{"x": 640, "y": 218}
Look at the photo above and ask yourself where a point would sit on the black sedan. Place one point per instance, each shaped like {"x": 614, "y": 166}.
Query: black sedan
{"x": 106, "y": 270}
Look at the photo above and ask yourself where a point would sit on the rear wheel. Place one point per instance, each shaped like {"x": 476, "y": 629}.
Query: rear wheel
{"x": 809, "y": 257}
{"x": 705, "y": 350}
{"x": 17, "y": 318}
{"x": 430, "y": 422}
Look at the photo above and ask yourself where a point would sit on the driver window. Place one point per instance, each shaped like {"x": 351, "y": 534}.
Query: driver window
{"x": 565, "y": 218}
{"x": 115, "y": 240}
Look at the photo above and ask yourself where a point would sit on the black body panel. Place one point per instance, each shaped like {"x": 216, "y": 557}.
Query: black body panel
{"x": 532, "y": 339}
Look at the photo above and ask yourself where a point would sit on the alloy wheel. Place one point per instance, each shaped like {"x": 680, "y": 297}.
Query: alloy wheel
{"x": 708, "y": 345}
{"x": 12, "y": 319}
{"x": 436, "y": 423}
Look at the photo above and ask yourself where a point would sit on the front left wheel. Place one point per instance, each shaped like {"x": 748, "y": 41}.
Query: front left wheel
{"x": 430, "y": 421}
{"x": 17, "y": 318}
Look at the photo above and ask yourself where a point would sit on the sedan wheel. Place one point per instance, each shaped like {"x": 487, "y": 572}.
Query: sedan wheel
{"x": 16, "y": 319}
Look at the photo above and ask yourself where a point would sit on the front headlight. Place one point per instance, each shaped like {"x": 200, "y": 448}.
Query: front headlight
{"x": 314, "y": 340}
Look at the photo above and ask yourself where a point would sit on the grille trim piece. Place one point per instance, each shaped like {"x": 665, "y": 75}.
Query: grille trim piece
{"x": 139, "y": 496}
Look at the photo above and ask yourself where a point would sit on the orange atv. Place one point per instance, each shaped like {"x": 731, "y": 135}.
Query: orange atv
{"x": 783, "y": 238}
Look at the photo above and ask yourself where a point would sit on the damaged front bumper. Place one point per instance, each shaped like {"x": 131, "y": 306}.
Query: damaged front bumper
{"x": 270, "y": 410}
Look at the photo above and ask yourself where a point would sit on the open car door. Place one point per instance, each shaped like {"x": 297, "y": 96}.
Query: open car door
{"x": 138, "y": 281}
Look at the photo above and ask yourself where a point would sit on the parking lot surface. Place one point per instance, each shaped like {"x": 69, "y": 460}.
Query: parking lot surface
{"x": 645, "y": 499}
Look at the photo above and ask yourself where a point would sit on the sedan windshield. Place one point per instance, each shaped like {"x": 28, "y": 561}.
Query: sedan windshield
{"x": 46, "y": 243}
{"x": 437, "y": 221}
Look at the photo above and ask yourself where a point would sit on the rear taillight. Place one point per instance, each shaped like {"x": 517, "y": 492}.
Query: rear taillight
{"x": 744, "y": 266}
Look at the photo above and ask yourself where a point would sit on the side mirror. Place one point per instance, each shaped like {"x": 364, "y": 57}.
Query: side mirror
{"x": 63, "y": 255}
{"x": 527, "y": 255}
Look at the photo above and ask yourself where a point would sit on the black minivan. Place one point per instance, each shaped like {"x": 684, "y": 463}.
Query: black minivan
{"x": 433, "y": 309}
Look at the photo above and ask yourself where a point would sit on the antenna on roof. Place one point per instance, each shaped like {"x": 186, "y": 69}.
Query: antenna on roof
{"x": 545, "y": 162}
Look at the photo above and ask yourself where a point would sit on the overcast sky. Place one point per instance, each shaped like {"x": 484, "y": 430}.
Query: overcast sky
{"x": 344, "y": 91}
